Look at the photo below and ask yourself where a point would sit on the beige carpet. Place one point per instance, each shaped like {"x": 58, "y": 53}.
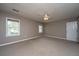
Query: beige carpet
{"x": 41, "y": 47}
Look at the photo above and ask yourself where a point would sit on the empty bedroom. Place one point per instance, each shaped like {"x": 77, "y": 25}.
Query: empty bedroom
{"x": 39, "y": 29}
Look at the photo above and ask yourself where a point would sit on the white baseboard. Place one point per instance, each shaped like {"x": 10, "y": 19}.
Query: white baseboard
{"x": 58, "y": 38}
{"x": 18, "y": 41}
{"x": 55, "y": 37}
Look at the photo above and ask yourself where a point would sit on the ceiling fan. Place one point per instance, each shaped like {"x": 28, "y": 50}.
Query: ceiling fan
{"x": 46, "y": 17}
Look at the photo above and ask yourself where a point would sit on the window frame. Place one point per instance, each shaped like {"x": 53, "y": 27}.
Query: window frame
{"x": 7, "y": 27}
{"x": 39, "y": 29}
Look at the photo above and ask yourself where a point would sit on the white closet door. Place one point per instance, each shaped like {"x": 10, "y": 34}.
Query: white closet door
{"x": 71, "y": 30}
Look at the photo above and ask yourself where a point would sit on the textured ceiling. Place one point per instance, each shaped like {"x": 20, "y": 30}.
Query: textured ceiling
{"x": 36, "y": 11}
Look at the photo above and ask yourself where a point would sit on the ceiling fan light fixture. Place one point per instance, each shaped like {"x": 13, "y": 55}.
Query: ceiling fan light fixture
{"x": 45, "y": 17}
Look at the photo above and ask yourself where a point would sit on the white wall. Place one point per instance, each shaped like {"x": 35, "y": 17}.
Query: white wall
{"x": 56, "y": 28}
{"x": 28, "y": 28}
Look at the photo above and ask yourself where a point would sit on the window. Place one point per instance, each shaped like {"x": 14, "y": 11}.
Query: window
{"x": 12, "y": 27}
{"x": 40, "y": 29}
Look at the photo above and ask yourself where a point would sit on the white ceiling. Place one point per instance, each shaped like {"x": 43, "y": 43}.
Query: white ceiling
{"x": 36, "y": 11}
